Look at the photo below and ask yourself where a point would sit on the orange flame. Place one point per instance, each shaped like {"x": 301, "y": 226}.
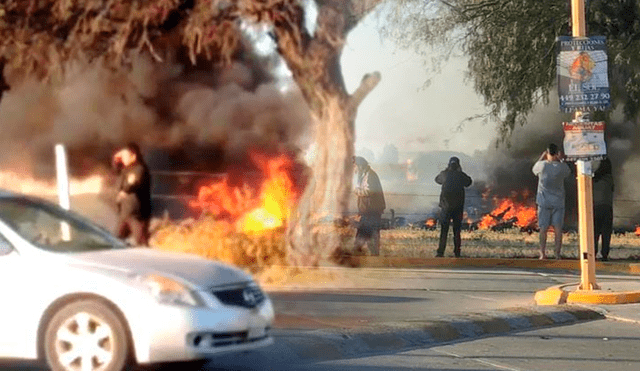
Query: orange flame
{"x": 507, "y": 209}
{"x": 637, "y": 231}
{"x": 430, "y": 222}
{"x": 412, "y": 176}
{"x": 253, "y": 211}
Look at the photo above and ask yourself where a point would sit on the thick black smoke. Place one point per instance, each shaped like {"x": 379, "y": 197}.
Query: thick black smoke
{"x": 203, "y": 118}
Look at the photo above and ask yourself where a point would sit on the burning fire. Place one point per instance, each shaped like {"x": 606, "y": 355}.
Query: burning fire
{"x": 412, "y": 176}
{"x": 521, "y": 214}
{"x": 430, "y": 223}
{"x": 637, "y": 231}
{"x": 252, "y": 210}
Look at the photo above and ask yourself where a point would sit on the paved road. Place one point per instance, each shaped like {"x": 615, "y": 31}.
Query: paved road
{"x": 353, "y": 301}
{"x": 373, "y": 297}
{"x": 592, "y": 346}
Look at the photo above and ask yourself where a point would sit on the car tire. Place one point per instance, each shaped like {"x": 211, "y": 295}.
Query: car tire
{"x": 86, "y": 332}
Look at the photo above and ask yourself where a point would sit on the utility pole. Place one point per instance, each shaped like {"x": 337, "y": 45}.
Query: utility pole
{"x": 585, "y": 183}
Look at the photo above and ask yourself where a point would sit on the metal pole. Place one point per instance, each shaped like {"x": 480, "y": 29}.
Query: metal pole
{"x": 62, "y": 174}
{"x": 585, "y": 185}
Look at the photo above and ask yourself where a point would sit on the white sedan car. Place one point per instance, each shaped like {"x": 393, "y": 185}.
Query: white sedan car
{"x": 80, "y": 299}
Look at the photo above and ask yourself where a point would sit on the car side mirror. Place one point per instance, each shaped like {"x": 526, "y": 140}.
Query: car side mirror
{"x": 5, "y": 247}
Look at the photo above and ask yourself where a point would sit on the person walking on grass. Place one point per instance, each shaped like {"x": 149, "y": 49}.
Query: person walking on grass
{"x": 453, "y": 181}
{"x": 371, "y": 204}
{"x": 551, "y": 171}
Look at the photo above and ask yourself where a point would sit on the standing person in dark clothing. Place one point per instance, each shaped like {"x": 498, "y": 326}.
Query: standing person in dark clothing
{"x": 134, "y": 195}
{"x": 370, "y": 206}
{"x": 603, "y": 206}
{"x": 453, "y": 181}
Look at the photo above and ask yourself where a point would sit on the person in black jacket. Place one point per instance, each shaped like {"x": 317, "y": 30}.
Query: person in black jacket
{"x": 603, "y": 206}
{"x": 134, "y": 195}
{"x": 453, "y": 181}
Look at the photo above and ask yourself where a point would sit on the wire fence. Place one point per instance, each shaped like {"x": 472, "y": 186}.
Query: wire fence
{"x": 487, "y": 200}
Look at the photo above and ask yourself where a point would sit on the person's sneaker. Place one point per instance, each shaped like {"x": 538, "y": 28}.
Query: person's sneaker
{"x": 604, "y": 258}
{"x": 439, "y": 255}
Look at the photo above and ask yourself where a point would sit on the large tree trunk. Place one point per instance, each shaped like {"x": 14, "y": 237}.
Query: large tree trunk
{"x": 315, "y": 65}
{"x": 312, "y": 234}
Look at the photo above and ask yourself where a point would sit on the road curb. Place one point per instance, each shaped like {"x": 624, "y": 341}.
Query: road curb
{"x": 570, "y": 294}
{"x": 332, "y": 344}
{"x": 565, "y": 264}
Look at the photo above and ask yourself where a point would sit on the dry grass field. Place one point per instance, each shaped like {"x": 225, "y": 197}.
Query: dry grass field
{"x": 258, "y": 252}
{"x": 488, "y": 244}
{"x": 264, "y": 255}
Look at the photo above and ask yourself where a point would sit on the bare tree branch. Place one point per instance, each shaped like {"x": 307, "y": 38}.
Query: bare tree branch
{"x": 358, "y": 9}
{"x": 368, "y": 83}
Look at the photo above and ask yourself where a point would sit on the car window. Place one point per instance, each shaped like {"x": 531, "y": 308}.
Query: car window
{"x": 52, "y": 228}
{"x": 5, "y": 246}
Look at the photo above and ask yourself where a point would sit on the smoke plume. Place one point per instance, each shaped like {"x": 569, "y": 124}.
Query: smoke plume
{"x": 186, "y": 118}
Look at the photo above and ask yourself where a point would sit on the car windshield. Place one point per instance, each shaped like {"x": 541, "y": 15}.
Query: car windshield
{"x": 54, "y": 229}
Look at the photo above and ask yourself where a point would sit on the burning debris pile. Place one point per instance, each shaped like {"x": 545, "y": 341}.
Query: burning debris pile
{"x": 242, "y": 216}
{"x": 251, "y": 210}
{"x": 430, "y": 224}
{"x": 517, "y": 211}
{"x": 513, "y": 212}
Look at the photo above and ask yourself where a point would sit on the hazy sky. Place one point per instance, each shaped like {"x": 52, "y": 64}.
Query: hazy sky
{"x": 401, "y": 110}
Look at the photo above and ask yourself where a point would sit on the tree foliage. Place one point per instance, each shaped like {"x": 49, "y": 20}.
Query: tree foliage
{"x": 39, "y": 36}
{"x": 511, "y": 46}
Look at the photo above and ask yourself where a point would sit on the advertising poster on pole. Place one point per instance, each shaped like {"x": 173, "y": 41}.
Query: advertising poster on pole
{"x": 583, "y": 83}
{"x": 584, "y": 141}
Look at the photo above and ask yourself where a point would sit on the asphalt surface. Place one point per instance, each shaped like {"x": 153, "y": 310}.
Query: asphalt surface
{"x": 373, "y": 298}
{"x": 588, "y": 346}
{"x": 329, "y": 316}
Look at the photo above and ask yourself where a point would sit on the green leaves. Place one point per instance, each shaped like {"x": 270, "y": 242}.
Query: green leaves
{"x": 512, "y": 49}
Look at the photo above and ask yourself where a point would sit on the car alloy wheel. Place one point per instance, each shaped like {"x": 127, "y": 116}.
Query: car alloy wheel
{"x": 86, "y": 336}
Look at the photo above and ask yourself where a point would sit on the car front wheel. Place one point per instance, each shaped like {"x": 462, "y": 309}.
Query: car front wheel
{"x": 86, "y": 335}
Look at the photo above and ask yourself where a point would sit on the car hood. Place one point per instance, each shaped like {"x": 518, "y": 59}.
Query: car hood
{"x": 196, "y": 271}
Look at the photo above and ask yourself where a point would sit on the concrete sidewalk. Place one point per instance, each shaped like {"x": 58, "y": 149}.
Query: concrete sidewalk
{"x": 333, "y": 313}
{"x": 628, "y": 267}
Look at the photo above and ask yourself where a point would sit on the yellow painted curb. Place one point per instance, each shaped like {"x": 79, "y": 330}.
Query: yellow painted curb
{"x": 598, "y": 297}
{"x": 404, "y": 262}
{"x": 567, "y": 264}
{"x": 557, "y": 295}
{"x": 551, "y": 296}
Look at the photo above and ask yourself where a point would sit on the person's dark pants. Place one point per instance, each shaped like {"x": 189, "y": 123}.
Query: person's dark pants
{"x": 132, "y": 226}
{"x": 368, "y": 232}
{"x": 447, "y": 217}
{"x": 602, "y": 226}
